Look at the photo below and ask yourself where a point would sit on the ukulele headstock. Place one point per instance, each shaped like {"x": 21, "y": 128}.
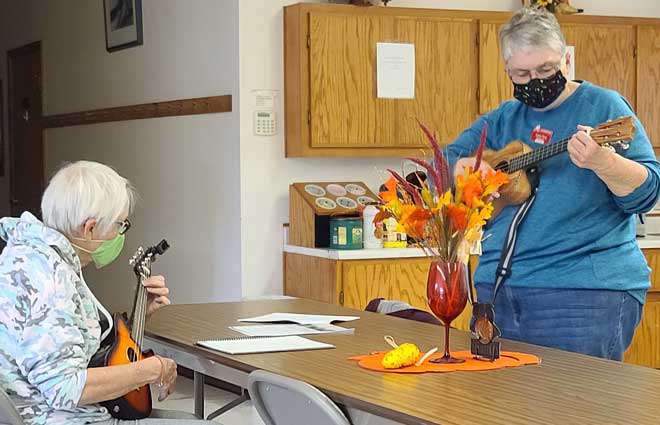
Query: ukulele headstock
{"x": 619, "y": 132}
{"x": 143, "y": 258}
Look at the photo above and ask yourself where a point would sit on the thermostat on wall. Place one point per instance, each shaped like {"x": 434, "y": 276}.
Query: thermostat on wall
{"x": 265, "y": 123}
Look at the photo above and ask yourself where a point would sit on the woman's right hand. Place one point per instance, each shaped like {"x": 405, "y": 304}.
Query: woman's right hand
{"x": 167, "y": 379}
{"x": 464, "y": 163}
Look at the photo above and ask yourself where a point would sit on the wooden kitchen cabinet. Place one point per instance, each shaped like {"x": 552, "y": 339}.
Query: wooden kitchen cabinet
{"x": 494, "y": 84}
{"x": 645, "y": 347}
{"x": 332, "y": 108}
{"x": 331, "y": 103}
{"x": 604, "y": 55}
{"x": 353, "y": 283}
{"x": 648, "y": 80}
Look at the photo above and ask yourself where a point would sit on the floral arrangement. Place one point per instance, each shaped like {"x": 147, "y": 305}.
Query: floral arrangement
{"x": 554, "y": 6}
{"x": 443, "y": 218}
{"x": 547, "y": 4}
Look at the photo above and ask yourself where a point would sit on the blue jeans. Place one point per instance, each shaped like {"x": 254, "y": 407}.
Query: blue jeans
{"x": 595, "y": 322}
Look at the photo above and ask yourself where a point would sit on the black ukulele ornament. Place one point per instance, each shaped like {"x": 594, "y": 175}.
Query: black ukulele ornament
{"x": 485, "y": 340}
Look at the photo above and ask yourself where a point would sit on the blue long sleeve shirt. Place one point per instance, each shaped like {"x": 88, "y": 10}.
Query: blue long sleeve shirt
{"x": 577, "y": 234}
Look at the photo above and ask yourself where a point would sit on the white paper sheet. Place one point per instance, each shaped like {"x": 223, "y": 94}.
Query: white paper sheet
{"x": 301, "y": 319}
{"x": 395, "y": 70}
{"x": 570, "y": 51}
{"x": 286, "y": 329}
{"x": 247, "y": 345}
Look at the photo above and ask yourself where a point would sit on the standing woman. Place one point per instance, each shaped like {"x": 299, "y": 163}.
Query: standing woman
{"x": 577, "y": 280}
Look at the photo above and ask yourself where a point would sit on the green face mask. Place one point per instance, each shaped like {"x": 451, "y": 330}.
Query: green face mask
{"x": 107, "y": 252}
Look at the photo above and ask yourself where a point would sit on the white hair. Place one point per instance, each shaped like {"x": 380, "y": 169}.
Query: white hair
{"x": 531, "y": 28}
{"x": 84, "y": 190}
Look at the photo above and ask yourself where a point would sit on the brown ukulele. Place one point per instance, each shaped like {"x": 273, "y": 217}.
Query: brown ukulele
{"x": 128, "y": 340}
{"x": 519, "y": 161}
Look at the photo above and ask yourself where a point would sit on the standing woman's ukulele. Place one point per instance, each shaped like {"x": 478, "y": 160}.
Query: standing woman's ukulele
{"x": 128, "y": 340}
{"x": 519, "y": 161}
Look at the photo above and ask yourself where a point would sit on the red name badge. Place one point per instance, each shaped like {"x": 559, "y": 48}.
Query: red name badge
{"x": 541, "y": 135}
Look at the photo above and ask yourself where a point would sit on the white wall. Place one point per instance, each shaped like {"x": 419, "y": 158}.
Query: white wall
{"x": 266, "y": 174}
{"x": 186, "y": 169}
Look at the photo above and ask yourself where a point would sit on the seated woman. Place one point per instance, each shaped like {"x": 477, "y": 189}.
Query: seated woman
{"x": 50, "y": 320}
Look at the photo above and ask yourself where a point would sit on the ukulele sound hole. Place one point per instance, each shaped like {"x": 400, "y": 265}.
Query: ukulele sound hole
{"x": 131, "y": 354}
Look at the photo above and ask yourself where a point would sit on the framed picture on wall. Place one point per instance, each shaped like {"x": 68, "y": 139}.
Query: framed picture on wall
{"x": 123, "y": 24}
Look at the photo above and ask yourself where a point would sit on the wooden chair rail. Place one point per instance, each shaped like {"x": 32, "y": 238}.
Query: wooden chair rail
{"x": 170, "y": 108}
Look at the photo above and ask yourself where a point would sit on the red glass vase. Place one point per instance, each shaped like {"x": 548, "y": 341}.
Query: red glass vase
{"x": 446, "y": 291}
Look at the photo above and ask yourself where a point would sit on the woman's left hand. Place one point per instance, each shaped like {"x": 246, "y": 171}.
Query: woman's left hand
{"x": 156, "y": 293}
{"x": 586, "y": 153}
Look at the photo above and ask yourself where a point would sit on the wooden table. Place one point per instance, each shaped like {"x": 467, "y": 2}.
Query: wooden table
{"x": 566, "y": 388}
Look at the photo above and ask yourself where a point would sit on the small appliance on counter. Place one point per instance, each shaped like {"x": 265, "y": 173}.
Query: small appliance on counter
{"x": 640, "y": 225}
{"x": 317, "y": 211}
{"x": 371, "y": 233}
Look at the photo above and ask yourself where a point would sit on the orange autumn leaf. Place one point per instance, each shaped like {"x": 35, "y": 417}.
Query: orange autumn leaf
{"x": 457, "y": 214}
{"x": 415, "y": 218}
{"x": 494, "y": 181}
{"x": 471, "y": 190}
{"x": 390, "y": 193}
{"x": 382, "y": 215}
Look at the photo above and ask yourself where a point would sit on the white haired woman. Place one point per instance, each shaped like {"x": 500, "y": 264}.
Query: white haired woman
{"x": 50, "y": 322}
{"x": 577, "y": 279}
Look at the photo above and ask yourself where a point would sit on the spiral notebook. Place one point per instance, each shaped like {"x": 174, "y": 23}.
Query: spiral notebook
{"x": 258, "y": 344}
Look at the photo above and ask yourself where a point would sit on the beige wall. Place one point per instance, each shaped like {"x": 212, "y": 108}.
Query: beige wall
{"x": 186, "y": 169}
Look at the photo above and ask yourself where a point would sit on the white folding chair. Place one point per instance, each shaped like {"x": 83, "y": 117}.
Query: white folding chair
{"x": 284, "y": 401}
{"x": 8, "y": 413}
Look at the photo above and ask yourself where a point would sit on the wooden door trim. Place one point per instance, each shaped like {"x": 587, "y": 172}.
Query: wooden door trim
{"x": 11, "y": 55}
{"x": 169, "y": 108}
{"x": 3, "y": 141}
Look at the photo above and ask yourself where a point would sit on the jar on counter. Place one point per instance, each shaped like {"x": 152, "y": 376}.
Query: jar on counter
{"x": 370, "y": 238}
{"x": 345, "y": 233}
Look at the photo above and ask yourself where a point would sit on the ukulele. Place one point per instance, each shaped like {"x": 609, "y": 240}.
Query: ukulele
{"x": 520, "y": 162}
{"x": 128, "y": 339}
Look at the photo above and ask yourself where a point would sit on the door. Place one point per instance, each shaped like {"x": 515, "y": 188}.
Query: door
{"x": 344, "y": 109}
{"x": 26, "y": 155}
{"x": 494, "y": 84}
{"x": 446, "y": 81}
{"x": 605, "y": 55}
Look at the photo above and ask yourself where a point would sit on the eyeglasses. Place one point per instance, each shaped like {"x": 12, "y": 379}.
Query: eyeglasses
{"x": 124, "y": 226}
{"x": 523, "y": 76}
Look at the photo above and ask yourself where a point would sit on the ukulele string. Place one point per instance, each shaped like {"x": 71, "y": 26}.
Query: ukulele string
{"x": 140, "y": 310}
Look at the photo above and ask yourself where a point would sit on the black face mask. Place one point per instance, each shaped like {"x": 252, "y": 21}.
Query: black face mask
{"x": 539, "y": 93}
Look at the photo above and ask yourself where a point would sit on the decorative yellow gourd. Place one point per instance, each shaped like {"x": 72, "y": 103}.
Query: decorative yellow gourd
{"x": 404, "y": 355}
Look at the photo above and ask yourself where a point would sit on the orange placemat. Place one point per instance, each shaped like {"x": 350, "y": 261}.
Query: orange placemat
{"x": 507, "y": 359}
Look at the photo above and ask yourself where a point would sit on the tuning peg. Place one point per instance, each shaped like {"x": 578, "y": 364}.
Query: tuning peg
{"x": 624, "y": 145}
{"x": 610, "y": 147}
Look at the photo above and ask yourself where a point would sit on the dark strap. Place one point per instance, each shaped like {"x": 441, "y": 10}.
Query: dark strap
{"x": 506, "y": 258}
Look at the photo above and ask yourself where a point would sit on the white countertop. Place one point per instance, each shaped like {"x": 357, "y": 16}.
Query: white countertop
{"x": 356, "y": 254}
{"x": 646, "y": 242}
{"x": 649, "y": 241}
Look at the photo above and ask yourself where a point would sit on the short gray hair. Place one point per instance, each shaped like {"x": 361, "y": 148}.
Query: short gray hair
{"x": 83, "y": 190}
{"x": 531, "y": 28}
